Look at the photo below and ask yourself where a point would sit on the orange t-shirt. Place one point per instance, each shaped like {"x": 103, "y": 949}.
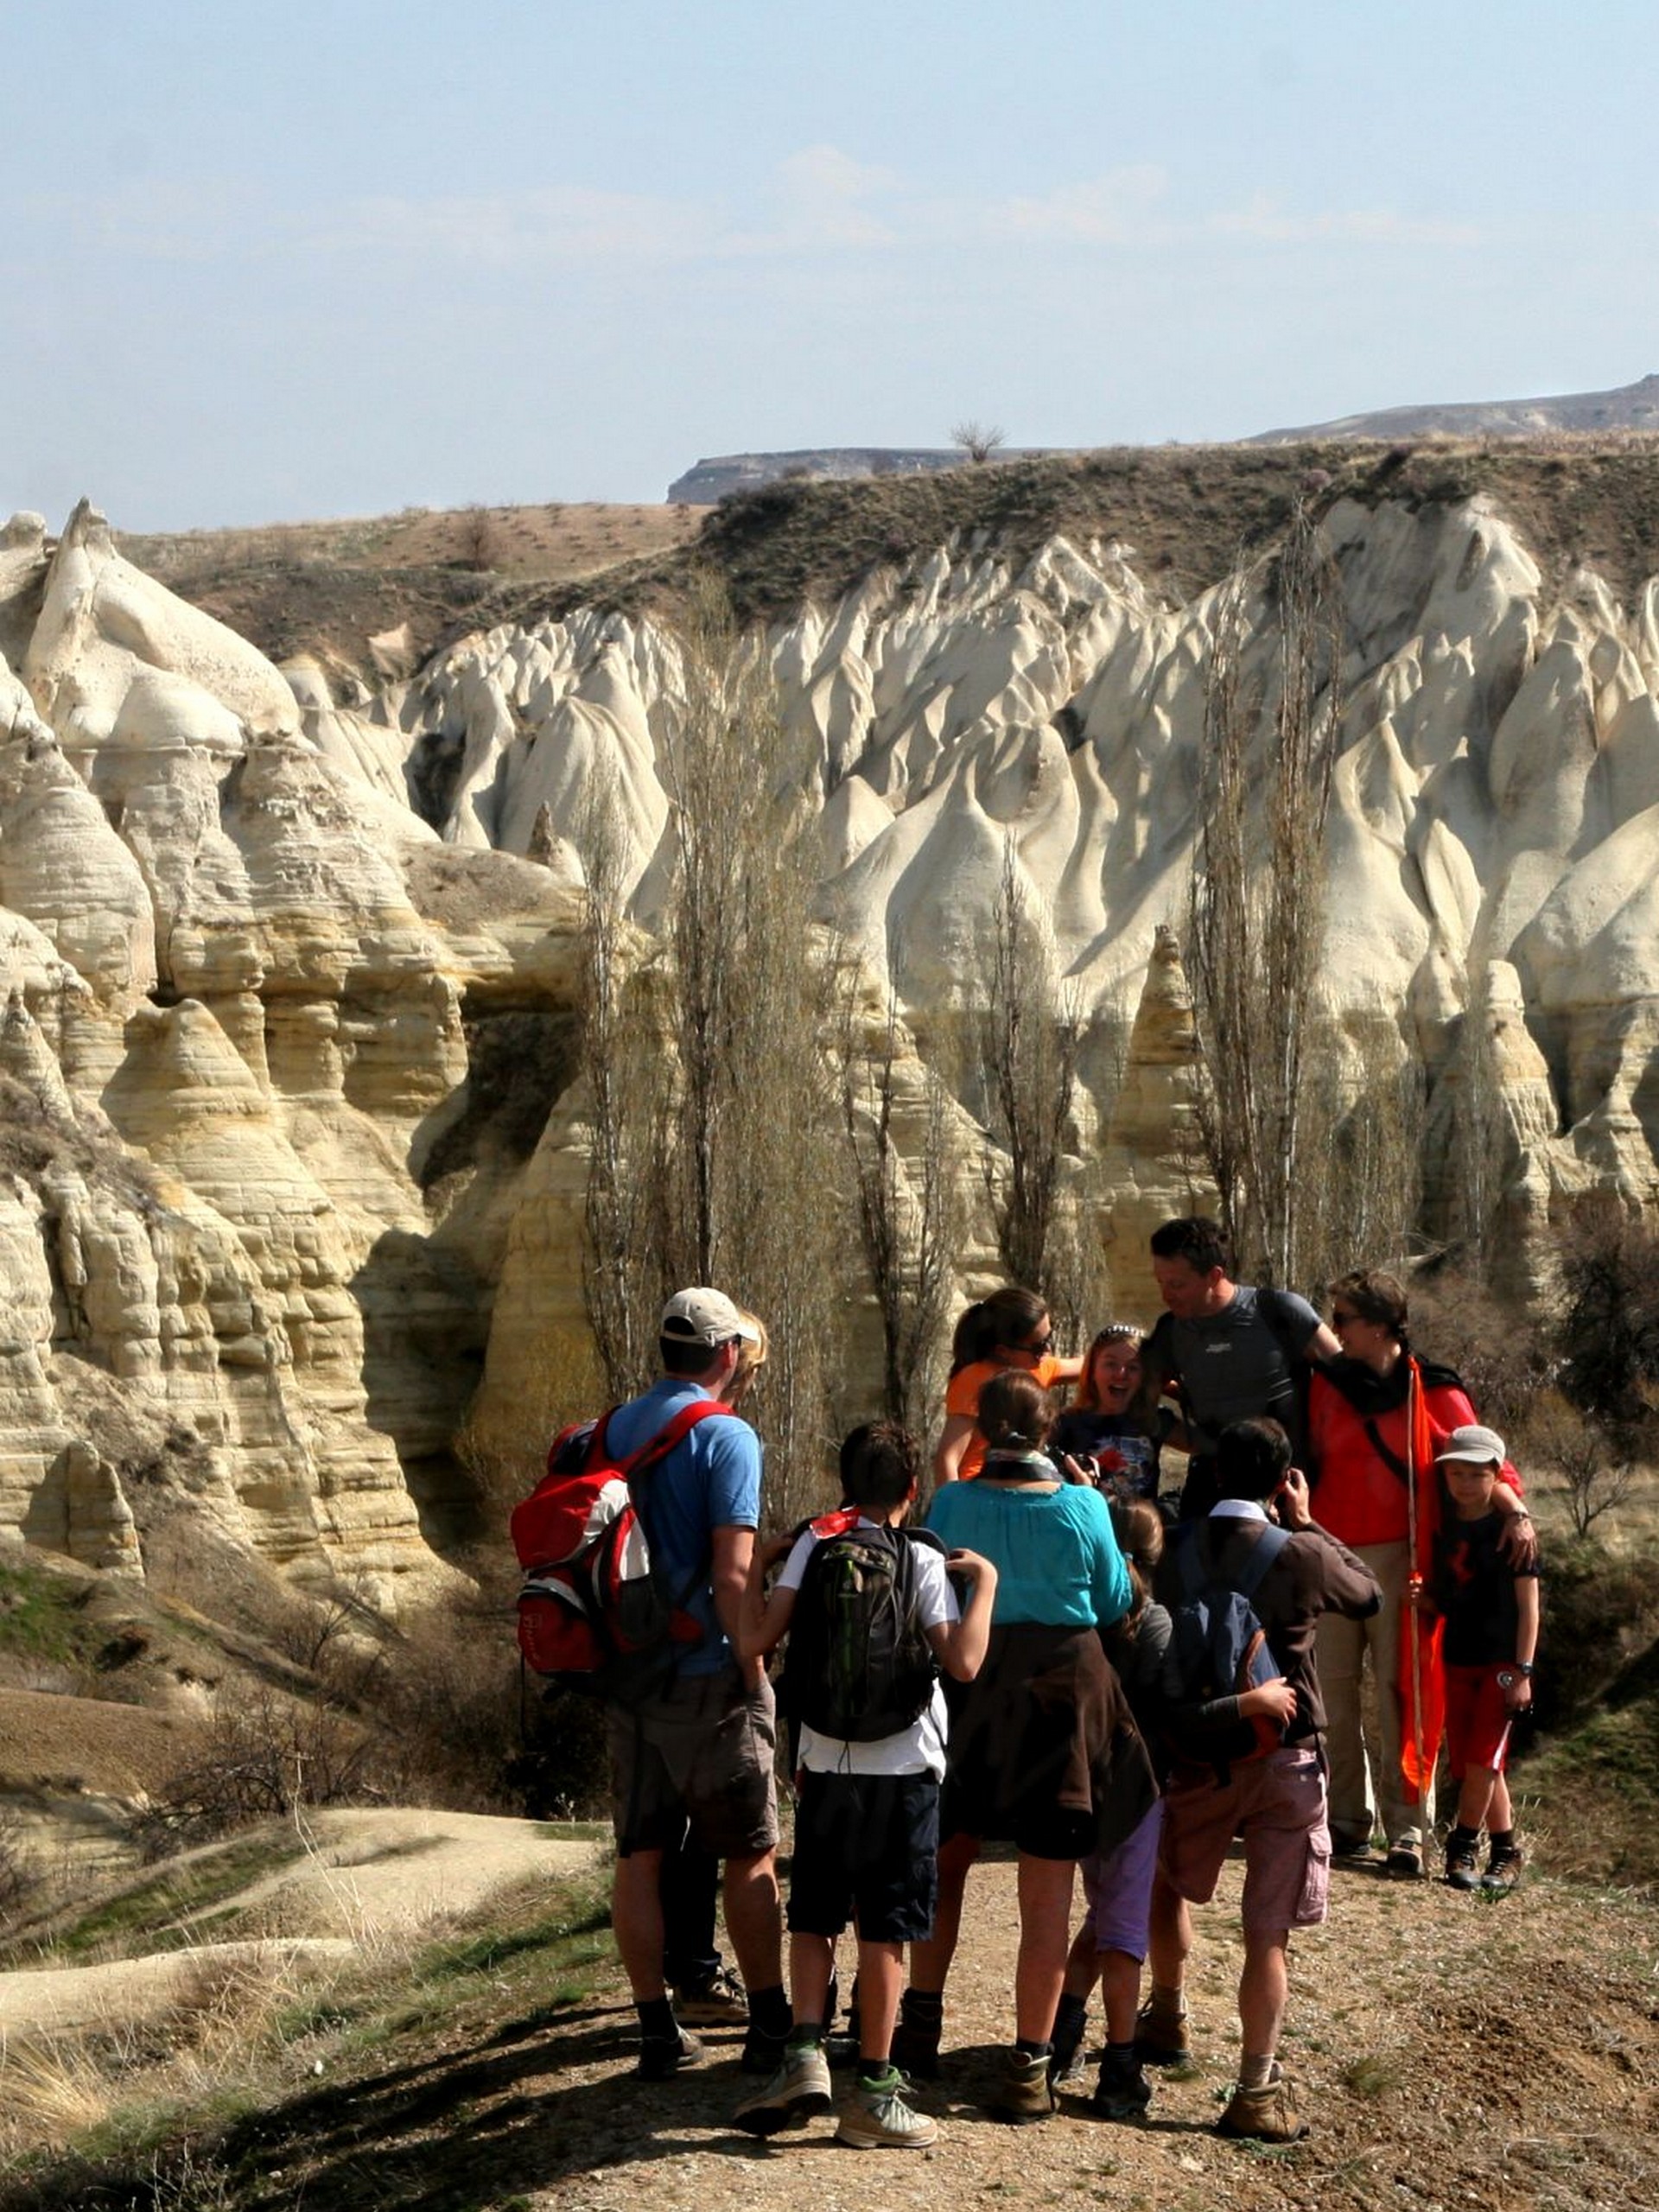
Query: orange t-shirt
{"x": 962, "y": 1396}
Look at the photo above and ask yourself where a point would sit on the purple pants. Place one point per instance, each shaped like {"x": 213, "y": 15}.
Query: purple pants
{"x": 1119, "y": 1889}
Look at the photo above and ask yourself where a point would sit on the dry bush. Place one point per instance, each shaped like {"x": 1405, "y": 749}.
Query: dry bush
{"x": 1502, "y": 1356}
{"x": 21, "y": 1874}
{"x": 264, "y": 1753}
{"x": 1596, "y": 1471}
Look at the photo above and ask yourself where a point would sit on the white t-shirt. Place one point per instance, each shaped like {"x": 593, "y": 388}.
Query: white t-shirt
{"x": 918, "y": 1749}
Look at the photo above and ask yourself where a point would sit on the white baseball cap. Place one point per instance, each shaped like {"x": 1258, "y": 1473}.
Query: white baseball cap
{"x": 702, "y": 1316}
{"x": 1472, "y": 1442}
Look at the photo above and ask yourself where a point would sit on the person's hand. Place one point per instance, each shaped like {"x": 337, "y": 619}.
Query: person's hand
{"x": 774, "y": 1550}
{"x": 1518, "y": 1694}
{"x": 1417, "y": 1595}
{"x": 1077, "y": 1470}
{"x": 1292, "y": 1499}
{"x": 1276, "y": 1701}
{"x": 1519, "y": 1542}
{"x": 972, "y": 1567}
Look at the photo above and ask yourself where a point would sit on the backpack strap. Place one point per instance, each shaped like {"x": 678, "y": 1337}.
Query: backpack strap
{"x": 1198, "y": 1573}
{"x": 651, "y": 1454}
{"x": 1385, "y": 1452}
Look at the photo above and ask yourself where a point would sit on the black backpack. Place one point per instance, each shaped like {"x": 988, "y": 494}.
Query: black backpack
{"x": 1218, "y": 1649}
{"x": 860, "y": 1665}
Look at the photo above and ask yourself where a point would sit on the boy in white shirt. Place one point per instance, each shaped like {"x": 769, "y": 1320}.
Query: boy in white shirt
{"x": 866, "y": 1824}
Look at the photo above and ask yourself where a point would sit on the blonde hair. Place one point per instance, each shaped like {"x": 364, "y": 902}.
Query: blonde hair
{"x": 750, "y": 1357}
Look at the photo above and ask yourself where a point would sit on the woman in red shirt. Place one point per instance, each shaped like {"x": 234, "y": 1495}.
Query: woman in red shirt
{"x": 1011, "y": 1328}
{"x": 1359, "y": 1433}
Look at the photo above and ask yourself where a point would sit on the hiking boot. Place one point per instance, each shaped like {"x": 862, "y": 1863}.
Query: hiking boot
{"x": 877, "y": 2118}
{"x": 763, "y": 2053}
{"x": 1022, "y": 2095}
{"x": 1405, "y": 1862}
{"x": 719, "y": 2002}
{"x": 1352, "y": 1849}
{"x": 1066, "y": 2064}
{"x": 660, "y": 2056}
{"x": 916, "y": 2037}
{"x": 1266, "y": 2115}
{"x": 1122, "y": 2091}
{"x": 1462, "y": 1867}
{"x": 1502, "y": 1870}
{"x": 799, "y": 2088}
{"x": 1160, "y": 2038}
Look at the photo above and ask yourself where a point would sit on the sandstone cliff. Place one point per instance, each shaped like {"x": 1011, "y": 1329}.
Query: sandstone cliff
{"x": 291, "y": 1147}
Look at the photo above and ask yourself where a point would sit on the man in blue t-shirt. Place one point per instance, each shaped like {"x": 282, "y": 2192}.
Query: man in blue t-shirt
{"x": 1228, "y": 1352}
{"x": 697, "y": 1754}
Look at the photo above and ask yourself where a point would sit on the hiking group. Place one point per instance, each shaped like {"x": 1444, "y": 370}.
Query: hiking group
{"x": 1061, "y": 1659}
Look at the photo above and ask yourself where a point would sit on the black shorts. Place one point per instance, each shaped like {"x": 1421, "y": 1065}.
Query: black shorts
{"x": 866, "y": 1843}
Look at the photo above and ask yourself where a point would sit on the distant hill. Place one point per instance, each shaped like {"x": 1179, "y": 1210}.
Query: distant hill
{"x": 718, "y": 477}
{"x": 1631, "y": 407}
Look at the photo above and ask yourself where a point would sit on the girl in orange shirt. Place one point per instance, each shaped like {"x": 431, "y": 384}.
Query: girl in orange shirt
{"x": 1011, "y": 1328}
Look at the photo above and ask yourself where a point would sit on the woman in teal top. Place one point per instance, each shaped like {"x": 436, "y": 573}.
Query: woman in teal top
{"x": 1042, "y": 1750}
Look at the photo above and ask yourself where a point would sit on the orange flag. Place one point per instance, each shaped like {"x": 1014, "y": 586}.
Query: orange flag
{"x": 1422, "y": 1684}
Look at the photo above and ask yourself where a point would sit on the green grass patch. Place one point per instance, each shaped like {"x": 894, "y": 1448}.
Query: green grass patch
{"x": 166, "y": 1911}
{"x": 40, "y": 1617}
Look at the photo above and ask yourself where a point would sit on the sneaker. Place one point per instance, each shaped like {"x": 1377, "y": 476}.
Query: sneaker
{"x": 1405, "y": 1862}
{"x": 1266, "y": 2115}
{"x": 1502, "y": 1870}
{"x": 1161, "y": 2039}
{"x": 916, "y": 2039}
{"x": 878, "y": 2119}
{"x": 763, "y": 2053}
{"x": 1352, "y": 1849}
{"x": 1462, "y": 1869}
{"x": 1022, "y": 2095}
{"x": 799, "y": 2088}
{"x": 719, "y": 2002}
{"x": 661, "y": 2057}
{"x": 1122, "y": 2091}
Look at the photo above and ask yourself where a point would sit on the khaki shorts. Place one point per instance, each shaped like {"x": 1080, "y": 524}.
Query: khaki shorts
{"x": 1277, "y": 1804}
{"x": 698, "y": 1754}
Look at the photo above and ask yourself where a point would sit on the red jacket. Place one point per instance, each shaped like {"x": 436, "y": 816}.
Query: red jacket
{"x": 1358, "y": 1498}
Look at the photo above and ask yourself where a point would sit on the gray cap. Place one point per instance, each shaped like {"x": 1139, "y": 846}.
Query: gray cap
{"x": 1474, "y": 1443}
{"x": 705, "y": 1317}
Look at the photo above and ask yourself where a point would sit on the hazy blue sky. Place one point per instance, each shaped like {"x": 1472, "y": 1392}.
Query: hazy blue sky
{"x": 268, "y": 261}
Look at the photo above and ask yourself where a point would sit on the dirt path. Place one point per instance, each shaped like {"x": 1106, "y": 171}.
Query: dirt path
{"x": 1449, "y": 2052}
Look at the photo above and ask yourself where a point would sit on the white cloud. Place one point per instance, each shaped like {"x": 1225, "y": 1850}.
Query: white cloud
{"x": 1116, "y": 209}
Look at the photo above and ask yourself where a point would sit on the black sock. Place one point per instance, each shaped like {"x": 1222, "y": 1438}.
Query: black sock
{"x": 769, "y": 2010}
{"x": 656, "y": 2016}
{"x": 1501, "y": 1838}
{"x": 1462, "y": 1839}
{"x": 1028, "y": 2048}
{"x": 924, "y": 2006}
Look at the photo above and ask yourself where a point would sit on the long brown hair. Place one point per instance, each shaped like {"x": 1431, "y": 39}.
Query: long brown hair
{"x": 1007, "y": 1317}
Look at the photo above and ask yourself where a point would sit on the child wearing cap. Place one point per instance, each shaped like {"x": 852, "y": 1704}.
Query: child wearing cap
{"x": 1490, "y": 1607}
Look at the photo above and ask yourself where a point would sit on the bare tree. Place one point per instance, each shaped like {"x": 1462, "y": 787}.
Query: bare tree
{"x": 908, "y": 1217}
{"x": 979, "y": 440}
{"x": 1258, "y": 884}
{"x": 1029, "y": 1039}
{"x": 1596, "y": 1466}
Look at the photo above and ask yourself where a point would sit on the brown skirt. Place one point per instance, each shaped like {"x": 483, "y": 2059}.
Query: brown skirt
{"x": 1044, "y": 1751}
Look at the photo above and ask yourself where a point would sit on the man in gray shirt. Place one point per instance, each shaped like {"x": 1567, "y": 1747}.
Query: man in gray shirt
{"x": 1228, "y": 1352}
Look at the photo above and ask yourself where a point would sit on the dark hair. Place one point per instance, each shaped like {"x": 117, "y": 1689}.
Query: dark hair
{"x": 683, "y": 1360}
{"x": 1006, "y": 1317}
{"x": 1197, "y": 1239}
{"x": 1376, "y": 1296}
{"x": 1251, "y": 1457}
{"x": 1115, "y": 1332}
{"x": 1015, "y": 1412}
{"x": 1139, "y": 1527}
{"x": 880, "y": 1464}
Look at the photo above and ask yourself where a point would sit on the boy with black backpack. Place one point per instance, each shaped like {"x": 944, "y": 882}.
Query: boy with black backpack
{"x": 871, "y": 1618}
{"x": 1245, "y": 1586}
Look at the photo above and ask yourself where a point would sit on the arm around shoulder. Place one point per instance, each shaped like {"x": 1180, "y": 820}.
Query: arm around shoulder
{"x": 960, "y": 1646}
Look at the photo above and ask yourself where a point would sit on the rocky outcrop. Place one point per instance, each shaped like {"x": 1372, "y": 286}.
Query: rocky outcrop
{"x": 292, "y": 1141}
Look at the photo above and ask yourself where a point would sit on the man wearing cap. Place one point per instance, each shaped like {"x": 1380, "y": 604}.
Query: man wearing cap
{"x": 699, "y": 1751}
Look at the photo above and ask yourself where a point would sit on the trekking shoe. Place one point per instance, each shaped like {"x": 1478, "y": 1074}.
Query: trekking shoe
{"x": 763, "y": 2053}
{"x": 1066, "y": 2064}
{"x": 661, "y": 2057}
{"x": 1161, "y": 2039}
{"x": 877, "y": 2118}
{"x": 1405, "y": 1862}
{"x": 1502, "y": 1870}
{"x": 719, "y": 2002}
{"x": 1022, "y": 2095}
{"x": 799, "y": 2088}
{"x": 1352, "y": 1849}
{"x": 916, "y": 2037}
{"x": 1462, "y": 1871}
{"x": 1266, "y": 2115}
{"x": 1122, "y": 2091}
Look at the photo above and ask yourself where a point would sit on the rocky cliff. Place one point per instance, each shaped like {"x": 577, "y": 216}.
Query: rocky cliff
{"x": 290, "y": 1143}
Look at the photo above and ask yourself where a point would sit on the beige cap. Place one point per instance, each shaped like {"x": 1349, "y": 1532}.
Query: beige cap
{"x": 704, "y": 1316}
{"x": 1474, "y": 1443}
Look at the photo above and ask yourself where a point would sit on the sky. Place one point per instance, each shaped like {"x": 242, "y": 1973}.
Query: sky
{"x": 280, "y": 262}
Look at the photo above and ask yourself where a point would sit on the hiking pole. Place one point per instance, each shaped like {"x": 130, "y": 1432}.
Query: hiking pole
{"x": 1413, "y": 1574}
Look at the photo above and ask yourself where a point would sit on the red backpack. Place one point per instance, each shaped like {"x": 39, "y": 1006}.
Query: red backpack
{"x": 593, "y": 1613}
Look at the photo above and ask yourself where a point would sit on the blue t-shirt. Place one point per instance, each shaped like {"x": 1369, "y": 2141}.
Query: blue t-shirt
{"x": 1057, "y": 1560}
{"x": 710, "y": 1480}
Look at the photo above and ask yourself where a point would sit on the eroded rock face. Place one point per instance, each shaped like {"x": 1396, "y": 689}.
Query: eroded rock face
{"x": 292, "y": 1147}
